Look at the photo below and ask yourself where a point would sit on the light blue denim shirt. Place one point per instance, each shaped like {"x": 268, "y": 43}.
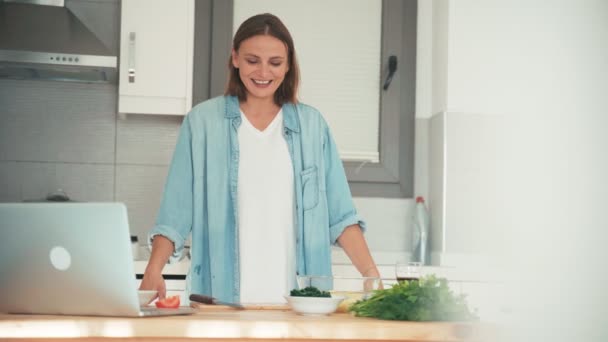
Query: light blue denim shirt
{"x": 200, "y": 195}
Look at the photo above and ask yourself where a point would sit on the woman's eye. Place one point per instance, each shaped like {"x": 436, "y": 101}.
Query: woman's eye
{"x": 251, "y": 61}
{"x": 276, "y": 64}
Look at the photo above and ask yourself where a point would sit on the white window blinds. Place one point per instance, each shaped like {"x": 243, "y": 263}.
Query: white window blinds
{"x": 338, "y": 46}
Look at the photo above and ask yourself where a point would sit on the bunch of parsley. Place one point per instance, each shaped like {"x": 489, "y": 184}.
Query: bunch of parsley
{"x": 309, "y": 291}
{"x": 426, "y": 299}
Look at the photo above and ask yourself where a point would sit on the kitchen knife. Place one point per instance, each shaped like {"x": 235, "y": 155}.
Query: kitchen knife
{"x": 212, "y": 301}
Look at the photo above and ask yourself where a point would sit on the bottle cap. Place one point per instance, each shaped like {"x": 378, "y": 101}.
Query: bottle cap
{"x": 134, "y": 238}
{"x": 419, "y": 199}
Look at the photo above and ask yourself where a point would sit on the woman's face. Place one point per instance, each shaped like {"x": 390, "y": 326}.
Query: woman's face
{"x": 262, "y": 64}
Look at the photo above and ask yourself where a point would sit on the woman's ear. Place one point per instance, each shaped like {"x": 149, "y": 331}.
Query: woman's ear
{"x": 235, "y": 61}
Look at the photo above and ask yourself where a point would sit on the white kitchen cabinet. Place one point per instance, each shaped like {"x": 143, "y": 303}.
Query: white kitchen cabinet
{"x": 156, "y": 57}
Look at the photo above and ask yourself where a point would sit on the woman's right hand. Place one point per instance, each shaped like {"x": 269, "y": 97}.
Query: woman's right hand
{"x": 154, "y": 281}
{"x": 153, "y": 277}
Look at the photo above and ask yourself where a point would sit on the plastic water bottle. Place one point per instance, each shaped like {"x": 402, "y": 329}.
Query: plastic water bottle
{"x": 420, "y": 233}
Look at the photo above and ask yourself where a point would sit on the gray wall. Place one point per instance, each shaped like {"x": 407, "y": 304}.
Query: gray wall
{"x": 66, "y": 135}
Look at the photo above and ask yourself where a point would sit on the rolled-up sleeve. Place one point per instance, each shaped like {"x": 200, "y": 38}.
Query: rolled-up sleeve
{"x": 174, "y": 220}
{"x": 342, "y": 212}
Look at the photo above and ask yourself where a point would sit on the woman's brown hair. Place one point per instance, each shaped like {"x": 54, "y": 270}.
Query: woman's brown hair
{"x": 265, "y": 24}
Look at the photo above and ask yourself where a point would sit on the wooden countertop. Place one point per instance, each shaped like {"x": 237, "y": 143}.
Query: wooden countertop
{"x": 216, "y": 324}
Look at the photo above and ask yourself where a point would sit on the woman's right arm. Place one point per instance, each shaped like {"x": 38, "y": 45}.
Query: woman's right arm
{"x": 162, "y": 248}
{"x": 174, "y": 221}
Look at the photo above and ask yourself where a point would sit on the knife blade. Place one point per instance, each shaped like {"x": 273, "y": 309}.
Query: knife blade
{"x": 212, "y": 301}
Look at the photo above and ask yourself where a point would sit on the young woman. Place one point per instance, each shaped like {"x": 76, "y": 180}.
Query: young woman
{"x": 257, "y": 179}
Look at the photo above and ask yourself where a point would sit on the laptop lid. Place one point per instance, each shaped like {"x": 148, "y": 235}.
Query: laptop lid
{"x": 66, "y": 258}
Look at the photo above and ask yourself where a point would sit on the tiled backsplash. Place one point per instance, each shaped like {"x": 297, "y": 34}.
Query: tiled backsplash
{"x": 58, "y": 135}
{"x": 57, "y": 122}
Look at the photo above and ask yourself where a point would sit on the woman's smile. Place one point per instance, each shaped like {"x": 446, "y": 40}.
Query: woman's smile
{"x": 261, "y": 83}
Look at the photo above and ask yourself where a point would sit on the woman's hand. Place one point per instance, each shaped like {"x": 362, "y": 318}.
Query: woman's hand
{"x": 369, "y": 283}
{"x": 154, "y": 281}
{"x": 354, "y": 245}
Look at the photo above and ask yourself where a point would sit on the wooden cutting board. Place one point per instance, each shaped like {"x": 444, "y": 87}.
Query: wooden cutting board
{"x": 201, "y": 306}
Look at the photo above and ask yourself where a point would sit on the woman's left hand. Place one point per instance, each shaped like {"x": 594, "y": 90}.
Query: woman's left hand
{"x": 369, "y": 283}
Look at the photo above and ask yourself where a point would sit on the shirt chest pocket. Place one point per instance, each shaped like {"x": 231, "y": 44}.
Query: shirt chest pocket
{"x": 310, "y": 187}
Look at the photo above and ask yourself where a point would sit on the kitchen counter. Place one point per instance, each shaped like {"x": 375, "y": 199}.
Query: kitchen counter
{"x": 217, "y": 324}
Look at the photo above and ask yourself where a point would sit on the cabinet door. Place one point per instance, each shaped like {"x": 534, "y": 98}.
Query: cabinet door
{"x": 156, "y": 45}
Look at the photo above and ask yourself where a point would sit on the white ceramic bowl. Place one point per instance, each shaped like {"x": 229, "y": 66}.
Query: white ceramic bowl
{"x": 351, "y": 288}
{"x": 314, "y": 305}
{"x": 145, "y": 296}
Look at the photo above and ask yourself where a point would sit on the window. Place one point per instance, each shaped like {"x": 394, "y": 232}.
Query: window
{"x": 390, "y": 176}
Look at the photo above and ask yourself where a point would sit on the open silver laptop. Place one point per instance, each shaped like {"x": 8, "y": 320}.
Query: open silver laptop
{"x": 69, "y": 259}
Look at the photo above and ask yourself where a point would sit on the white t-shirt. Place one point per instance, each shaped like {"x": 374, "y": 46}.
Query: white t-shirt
{"x": 265, "y": 213}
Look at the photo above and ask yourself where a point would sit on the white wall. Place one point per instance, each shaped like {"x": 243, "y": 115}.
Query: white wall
{"x": 536, "y": 72}
{"x": 440, "y": 30}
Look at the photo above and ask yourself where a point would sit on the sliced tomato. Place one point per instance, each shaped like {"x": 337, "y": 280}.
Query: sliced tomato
{"x": 168, "y": 303}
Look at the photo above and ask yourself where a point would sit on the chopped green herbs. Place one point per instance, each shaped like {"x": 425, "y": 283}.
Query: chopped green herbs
{"x": 309, "y": 291}
{"x": 426, "y": 299}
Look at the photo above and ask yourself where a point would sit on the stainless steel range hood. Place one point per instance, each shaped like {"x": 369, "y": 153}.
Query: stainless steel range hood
{"x": 43, "y": 40}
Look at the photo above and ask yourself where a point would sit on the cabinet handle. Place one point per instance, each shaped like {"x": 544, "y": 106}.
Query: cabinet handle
{"x": 132, "y": 57}
{"x": 392, "y": 67}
